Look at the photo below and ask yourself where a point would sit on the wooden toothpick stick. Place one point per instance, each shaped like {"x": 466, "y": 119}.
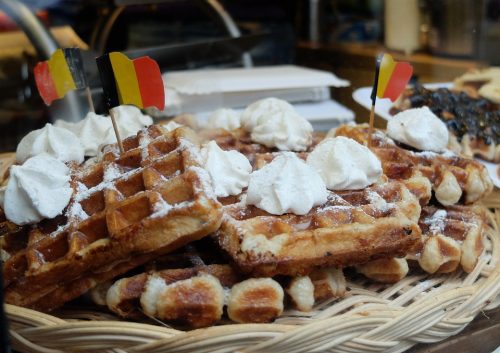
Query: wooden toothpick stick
{"x": 373, "y": 97}
{"x": 370, "y": 129}
{"x": 89, "y": 99}
{"x": 115, "y": 127}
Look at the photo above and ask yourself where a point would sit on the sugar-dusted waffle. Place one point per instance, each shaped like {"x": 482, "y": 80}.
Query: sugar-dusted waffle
{"x": 181, "y": 288}
{"x": 452, "y": 237}
{"x": 240, "y": 140}
{"x": 149, "y": 200}
{"x": 352, "y": 227}
{"x": 454, "y": 179}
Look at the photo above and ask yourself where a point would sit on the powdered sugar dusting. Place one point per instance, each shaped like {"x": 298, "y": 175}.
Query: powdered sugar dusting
{"x": 75, "y": 211}
{"x": 378, "y": 201}
{"x": 161, "y": 208}
{"x": 144, "y": 141}
{"x": 186, "y": 145}
{"x": 111, "y": 172}
{"x": 206, "y": 182}
{"x": 436, "y": 222}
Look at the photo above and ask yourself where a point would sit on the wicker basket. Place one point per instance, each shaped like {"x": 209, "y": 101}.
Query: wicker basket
{"x": 371, "y": 318}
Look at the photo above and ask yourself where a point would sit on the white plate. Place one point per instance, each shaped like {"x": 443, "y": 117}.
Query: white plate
{"x": 382, "y": 107}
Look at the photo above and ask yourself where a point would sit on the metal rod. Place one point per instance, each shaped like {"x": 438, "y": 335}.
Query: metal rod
{"x": 230, "y": 26}
{"x": 40, "y": 37}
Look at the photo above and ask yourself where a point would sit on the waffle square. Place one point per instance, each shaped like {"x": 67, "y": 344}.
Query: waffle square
{"x": 153, "y": 198}
{"x": 352, "y": 227}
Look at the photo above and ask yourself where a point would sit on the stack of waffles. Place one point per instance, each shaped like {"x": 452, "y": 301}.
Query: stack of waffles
{"x": 149, "y": 208}
{"x": 125, "y": 210}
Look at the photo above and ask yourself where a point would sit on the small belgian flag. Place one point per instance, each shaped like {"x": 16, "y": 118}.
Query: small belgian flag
{"x": 62, "y": 73}
{"x": 137, "y": 82}
{"x": 391, "y": 78}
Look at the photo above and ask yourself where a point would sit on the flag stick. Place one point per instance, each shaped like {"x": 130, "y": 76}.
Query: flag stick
{"x": 374, "y": 99}
{"x": 115, "y": 127}
{"x": 89, "y": 99}
{"x": 370, "y": 129}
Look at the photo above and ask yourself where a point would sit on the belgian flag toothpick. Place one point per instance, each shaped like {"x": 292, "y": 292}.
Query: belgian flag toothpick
{"x": 391, "y": 78}
{"x": 60, "y": 74}
{"x": 124, "y": 81}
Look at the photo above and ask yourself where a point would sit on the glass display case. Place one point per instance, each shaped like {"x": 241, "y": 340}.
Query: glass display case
{"x": 250, "y": 176}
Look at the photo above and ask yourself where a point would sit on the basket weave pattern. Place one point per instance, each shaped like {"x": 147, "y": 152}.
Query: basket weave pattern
{"x": 371, "y": 318}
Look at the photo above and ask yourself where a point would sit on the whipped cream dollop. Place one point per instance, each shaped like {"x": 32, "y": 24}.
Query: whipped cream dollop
{"x": 130, "y": 120}
{"x": 275, "y": 123}
{"x": 224, "y": 118}
{"x": 229, "y": 170}
{"x": 96, "y": 130}
{"x": 93, "y": 131}
{"x": 54, "y": 141}
{"x": 345, "y": 164}
{"x": 38, "y": 189}
{"x": 286, "y": 185}
{"x": 419, "y": 128}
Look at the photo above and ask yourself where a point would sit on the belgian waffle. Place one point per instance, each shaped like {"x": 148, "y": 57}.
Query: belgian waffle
{"x": 452, "y": 237}
{"x": 454, "y": 179}
{"x": 149, "y": 200}
{"x": 472, "y": 120}
{"x": 192, "y": 295}
{"x": 352, "y": 227}
{"x": 6, "y": 161}
{"x": 240, "y": 140}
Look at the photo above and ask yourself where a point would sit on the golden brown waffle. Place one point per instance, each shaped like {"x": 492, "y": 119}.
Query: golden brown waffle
{"x": 153, "y": 198}
{"x": 454, "y": 179}
{"x": 6, "y": 161}
{"x": 195, "y": 295}
{"x": 240, "y": 140}
{"x": 452, "y": 236}
{"x": 132, "y": 296}
{"x": 352, "y": 227}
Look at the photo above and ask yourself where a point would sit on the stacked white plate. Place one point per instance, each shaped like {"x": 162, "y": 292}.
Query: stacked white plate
{"x": 199, "y": 92}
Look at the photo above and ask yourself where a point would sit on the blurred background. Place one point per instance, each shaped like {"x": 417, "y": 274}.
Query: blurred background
{"x": 441, "y": 38}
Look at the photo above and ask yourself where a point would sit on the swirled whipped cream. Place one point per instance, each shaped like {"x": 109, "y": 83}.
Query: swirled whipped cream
{"x": 224, "y": 118}
{"x": 36, "y": 190}
{"x": 419, "y": 128}
{"x": 93, "y": 131}
{"x": 54, "y": 141}
{"x": 275, "y": 123}
{"x": 344, "y": 164}
{"x": 96, "y": 130}
{"x": 286, "y": 185}
{"x": 229, "y": 170}
{"x": 130, "y": 120}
